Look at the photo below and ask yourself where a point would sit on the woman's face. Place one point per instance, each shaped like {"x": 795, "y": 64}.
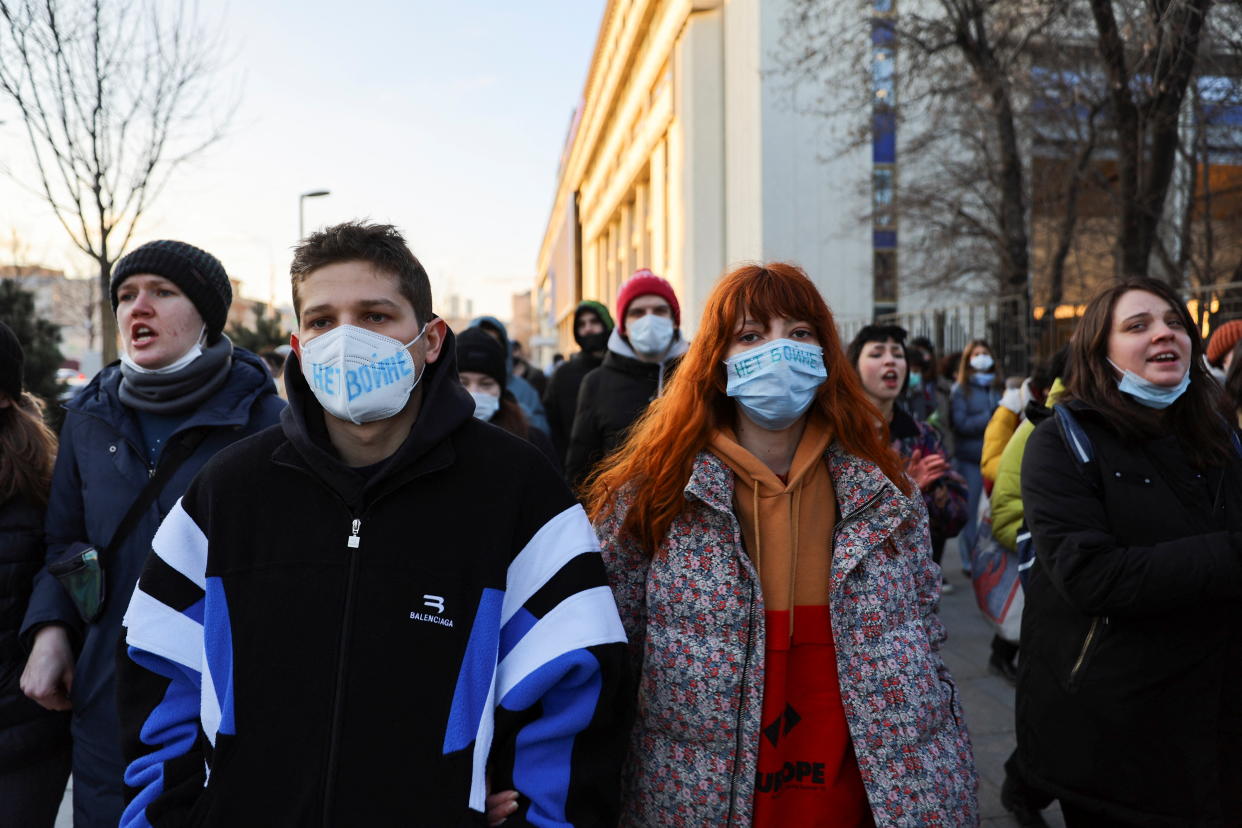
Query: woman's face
{"x": 882, "y": 368}
{"x": 751, "y": 333}
{"x": 1148, "y": 338}
{"x": 478, "y": 383}
{"x": 980, "y": 349}
{"x": 158, "y": 322}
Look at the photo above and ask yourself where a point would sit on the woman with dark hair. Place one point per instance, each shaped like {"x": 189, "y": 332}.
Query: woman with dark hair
{"x": 879, "y": 355}
{"x": 481, "y": 369}
{"x": 772, "y": 566}
{"x": 1128, "y": 708}
{"x": 34, "y": 743}
{"x": 976, "y": 393}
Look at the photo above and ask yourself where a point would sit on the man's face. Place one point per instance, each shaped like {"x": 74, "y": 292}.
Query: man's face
{"x": 356, "y": 293}
{"x": 645, "y": 304}
{"x": 589, "y": 323}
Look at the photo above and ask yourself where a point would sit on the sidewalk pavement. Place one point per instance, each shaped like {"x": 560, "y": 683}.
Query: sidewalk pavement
{"x": 986, "y": 699}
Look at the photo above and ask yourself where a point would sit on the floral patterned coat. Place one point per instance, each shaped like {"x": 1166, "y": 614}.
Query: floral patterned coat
{"x": 694, "y": 618}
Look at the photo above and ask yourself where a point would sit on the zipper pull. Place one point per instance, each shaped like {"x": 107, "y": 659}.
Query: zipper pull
{"x": 353, "y": 540}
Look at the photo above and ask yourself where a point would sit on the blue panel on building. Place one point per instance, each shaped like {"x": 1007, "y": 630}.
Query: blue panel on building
{"x": 884, "y": 138}
{"x": 884, "y": 239}
{"x": 881, "y": 32}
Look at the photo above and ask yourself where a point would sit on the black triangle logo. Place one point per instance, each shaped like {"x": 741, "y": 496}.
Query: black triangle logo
{"x": 791, "y": 717}
{"x": 773, "y": 731}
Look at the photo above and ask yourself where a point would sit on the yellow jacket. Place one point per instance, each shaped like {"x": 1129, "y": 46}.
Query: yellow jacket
{"x": 1000, "y": 428}
{"x": 1007, "y": 512}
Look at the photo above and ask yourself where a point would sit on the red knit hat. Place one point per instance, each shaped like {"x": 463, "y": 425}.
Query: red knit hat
{"x": 1223, "y": 339}
{"x": 642, "y": 283}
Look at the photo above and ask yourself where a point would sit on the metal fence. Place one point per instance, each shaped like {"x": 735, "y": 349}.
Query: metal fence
{"x": 1019, "y": 336}
{"x": 1005, "y": 324}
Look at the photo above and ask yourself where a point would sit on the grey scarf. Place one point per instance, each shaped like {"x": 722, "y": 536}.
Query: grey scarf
{"x": 180, "y": 390}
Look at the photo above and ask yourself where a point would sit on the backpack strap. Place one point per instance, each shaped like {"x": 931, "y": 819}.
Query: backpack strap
{"x": 175, "y": 453}
{"x": 1078, "y": 444}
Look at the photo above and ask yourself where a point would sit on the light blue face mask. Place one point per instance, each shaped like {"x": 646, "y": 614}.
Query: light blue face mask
{"x": 1147, "y": 392}
{"x": 775, "y": 383}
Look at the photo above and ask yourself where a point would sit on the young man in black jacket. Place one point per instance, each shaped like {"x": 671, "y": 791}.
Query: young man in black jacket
{"x": 592, "y": 327}
{"x": 642, "y": 351}
{"x": 374, "y": 611}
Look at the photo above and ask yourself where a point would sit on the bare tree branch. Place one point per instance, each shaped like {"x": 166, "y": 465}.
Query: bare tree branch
{"x": 114, "y": 97}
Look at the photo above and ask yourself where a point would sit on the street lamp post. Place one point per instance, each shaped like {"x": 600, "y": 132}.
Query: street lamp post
{"x": 302, "y": 209}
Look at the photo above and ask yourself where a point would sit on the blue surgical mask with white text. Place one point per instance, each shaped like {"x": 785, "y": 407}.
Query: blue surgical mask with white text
{"x": 775, "y": 383}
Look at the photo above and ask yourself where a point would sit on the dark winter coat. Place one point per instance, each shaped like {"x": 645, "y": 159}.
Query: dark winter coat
{"x": 610, "y": 399}
{"x": 560, "y": 401}
{"x": 365, "y": 645}
{"x": 1130, "y": 684}
{"x": 28, "y": 733}
{"x": 100, "y": 470}
{"x": 970, "y": 409}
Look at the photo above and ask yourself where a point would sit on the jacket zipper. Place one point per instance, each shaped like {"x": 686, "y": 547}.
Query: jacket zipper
{"x": 857, "y": 513}
{"x": 352, "y": 543}
{"x": 1086, "y": 647}
{"x": 741, "y": 707}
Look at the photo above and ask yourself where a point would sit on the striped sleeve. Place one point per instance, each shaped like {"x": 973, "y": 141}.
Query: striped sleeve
{"x": 160, "y": 678}
{"x": 560, "y": 660}
{"x": 546, "y": 657}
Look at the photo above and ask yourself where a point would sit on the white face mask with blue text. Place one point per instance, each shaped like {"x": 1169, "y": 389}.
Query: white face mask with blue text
{"x": 358, "y": 375}
{"x": 775, "y": 383}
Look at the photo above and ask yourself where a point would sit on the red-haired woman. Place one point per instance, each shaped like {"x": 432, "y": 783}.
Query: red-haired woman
{"x": 772, "y": 566}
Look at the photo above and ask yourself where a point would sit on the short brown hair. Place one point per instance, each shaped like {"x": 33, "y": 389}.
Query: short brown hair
{"x": 380, "y": 245}
{"x": 1194, "y": 418}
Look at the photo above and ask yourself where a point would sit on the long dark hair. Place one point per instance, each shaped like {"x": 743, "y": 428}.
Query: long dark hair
{"x": 27, "y": 451}
{"x": 510, "y": 416}
{"x": 1194, "y": 417}
{"x": 965, "y": 370}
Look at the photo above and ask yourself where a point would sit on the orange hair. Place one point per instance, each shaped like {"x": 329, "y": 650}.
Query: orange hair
{"x": 659, "y": 454}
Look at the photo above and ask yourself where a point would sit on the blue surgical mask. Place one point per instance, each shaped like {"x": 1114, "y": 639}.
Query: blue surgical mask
{"x": 775, "y": 383}
{"x": 983, "y": 379}
{"x": 915, "y": 382}
{"x": 1147, "y": 392}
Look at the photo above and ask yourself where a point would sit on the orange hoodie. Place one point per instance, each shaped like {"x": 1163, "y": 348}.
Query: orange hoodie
{"x": 807, "y": 773}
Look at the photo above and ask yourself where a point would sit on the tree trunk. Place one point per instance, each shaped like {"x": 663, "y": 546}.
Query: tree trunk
{"x": 107, "y": 317}
{"x": 1147, "y": 137}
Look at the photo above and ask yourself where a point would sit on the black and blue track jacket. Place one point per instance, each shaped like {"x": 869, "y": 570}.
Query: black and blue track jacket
{"x": 308, "y": 646}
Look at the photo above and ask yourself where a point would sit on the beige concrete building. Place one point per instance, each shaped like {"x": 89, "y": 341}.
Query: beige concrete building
{"x": 688, "y": 154}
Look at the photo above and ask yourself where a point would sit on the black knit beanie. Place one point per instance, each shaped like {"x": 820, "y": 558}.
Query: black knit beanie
{"x": 478, "y": 351}
{"x": 11, "y": 359}
{"x": 198, "y": 274}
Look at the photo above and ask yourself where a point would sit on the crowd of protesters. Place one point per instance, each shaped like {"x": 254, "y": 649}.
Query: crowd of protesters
{"x": 676, "y": 581}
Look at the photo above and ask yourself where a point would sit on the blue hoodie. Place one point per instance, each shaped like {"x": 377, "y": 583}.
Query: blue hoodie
{"x": 526, "y": 395}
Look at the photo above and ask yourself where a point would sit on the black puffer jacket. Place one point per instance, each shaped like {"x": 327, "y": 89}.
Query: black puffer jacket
{"x": 28, "y": 733}
{"x": 610, "y": 399}
{"x": 560, "y": 401}
{"x": 1130, "y": 687}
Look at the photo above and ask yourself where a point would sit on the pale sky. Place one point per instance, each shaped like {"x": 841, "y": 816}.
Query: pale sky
{"x": 446, "y": 119}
